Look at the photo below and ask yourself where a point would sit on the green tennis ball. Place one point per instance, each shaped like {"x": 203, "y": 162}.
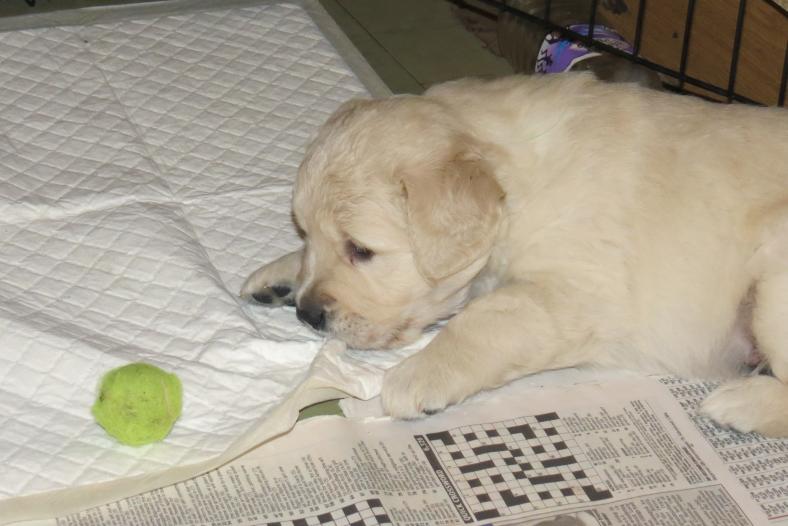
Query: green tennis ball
{"x": 138, "y": 403}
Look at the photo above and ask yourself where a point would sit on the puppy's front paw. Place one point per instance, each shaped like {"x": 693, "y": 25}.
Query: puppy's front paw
{"x": 755, "y": 403}
{"x": 422, "y": 385}
{"x": 274, "y": 284}
{"x": 275, "y": 295}
{"x": 726, "y": 406}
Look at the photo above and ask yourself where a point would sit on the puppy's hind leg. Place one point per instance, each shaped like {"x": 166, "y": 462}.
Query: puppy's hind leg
{"x": 760, "y": 403}
{"x": 274, "y": 284}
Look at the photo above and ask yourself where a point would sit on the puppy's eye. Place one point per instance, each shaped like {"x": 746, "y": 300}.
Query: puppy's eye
{"x": 358, "y": 253}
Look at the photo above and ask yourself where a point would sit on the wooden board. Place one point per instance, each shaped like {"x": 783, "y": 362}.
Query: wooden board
{"x": 763, "y": 43}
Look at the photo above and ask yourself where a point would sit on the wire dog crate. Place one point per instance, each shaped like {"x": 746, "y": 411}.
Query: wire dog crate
{"x": 678, "y": 75}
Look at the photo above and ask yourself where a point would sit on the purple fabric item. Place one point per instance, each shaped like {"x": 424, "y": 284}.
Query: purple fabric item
{"x": 558, "y": 54}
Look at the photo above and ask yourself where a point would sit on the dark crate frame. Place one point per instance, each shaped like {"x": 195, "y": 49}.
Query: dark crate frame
{"x": 728, "y": 92}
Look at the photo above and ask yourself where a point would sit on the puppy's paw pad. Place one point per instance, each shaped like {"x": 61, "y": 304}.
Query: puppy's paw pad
{"x": 261, "y": 297}
{"x": 282, "y": 290}
{"x": 274, "y": 283}
{"x": 275, "y": 295}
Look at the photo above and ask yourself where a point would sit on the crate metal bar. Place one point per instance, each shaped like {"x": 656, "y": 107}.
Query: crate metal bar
{"x": 592, "y": 19}
{"x": 639, "y": 27}
{"x": 780, "y": 9}
{"x": 614, "y": 51}
{"x": 474, "y": 9}
{"x": 685, "y": 45}
{"x": 784, "y": 81}
{"x": 547, "y": 6}
{"x": 736, "y": 48}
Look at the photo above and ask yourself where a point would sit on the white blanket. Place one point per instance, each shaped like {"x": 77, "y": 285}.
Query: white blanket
{"x": 145, "y": 170}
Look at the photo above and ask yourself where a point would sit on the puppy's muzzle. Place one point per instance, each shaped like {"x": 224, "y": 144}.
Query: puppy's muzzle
{"x": 313, "y": 314}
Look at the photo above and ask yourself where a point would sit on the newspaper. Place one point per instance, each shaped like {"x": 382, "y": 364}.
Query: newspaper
{"x": 613, "y": 453}
{"x": 760, "y": 464}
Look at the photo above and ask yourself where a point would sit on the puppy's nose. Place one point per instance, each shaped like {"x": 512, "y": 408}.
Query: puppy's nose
{"x": 313, "y": 315}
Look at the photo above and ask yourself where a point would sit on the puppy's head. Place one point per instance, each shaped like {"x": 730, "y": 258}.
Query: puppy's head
{"x": 398, "y": 209}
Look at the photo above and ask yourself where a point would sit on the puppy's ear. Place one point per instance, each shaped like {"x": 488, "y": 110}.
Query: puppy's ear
{"x": 346, "y": 110}
{"x": 453, "y": 214}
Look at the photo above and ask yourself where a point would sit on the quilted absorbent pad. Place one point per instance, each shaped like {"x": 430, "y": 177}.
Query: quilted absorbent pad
{"x": 145, "y": 169}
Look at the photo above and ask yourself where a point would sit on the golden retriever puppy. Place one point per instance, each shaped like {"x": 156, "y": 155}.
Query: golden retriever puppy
{"x": 559, "y": 221}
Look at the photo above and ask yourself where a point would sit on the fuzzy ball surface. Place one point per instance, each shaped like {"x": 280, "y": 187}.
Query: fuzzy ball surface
{"x": 138, "y": 403}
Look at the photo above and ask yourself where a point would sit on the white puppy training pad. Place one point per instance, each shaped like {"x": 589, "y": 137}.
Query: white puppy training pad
{"x": 145, "y": 170}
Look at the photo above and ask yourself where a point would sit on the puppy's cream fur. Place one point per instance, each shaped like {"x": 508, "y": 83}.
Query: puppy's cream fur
{"x": 566, "y": 222}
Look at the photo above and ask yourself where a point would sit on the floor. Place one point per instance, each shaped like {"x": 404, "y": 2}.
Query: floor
{"x": 411, "y": 44}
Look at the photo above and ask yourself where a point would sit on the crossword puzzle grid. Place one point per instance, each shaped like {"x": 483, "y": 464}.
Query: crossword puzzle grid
{"x": 508, "y": 467}
{"x": 368, "y": 512}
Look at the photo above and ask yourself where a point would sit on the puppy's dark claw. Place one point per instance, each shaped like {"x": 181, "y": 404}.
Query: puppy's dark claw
{"x": 265, "y": 299}
{"x": 281, "y": 290}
